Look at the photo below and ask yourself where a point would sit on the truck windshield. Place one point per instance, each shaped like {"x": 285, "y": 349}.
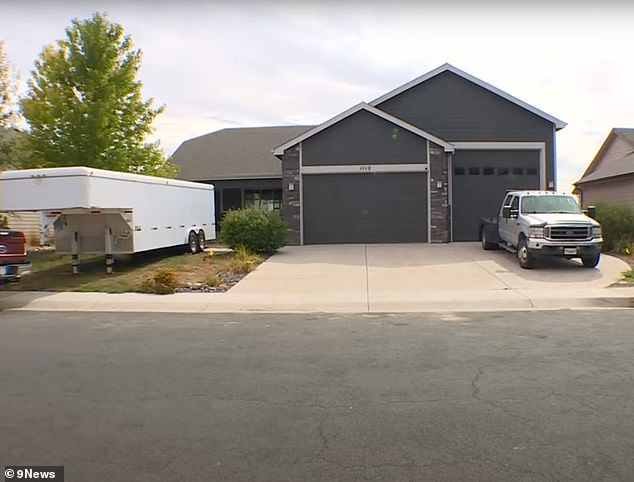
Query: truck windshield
{"x": 549, "y": 204}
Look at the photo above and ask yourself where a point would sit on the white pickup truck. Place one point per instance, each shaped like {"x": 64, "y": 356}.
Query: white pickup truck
{"x": 543, "y": 223}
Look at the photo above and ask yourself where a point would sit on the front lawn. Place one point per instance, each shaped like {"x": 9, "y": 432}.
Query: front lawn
{"x": 53, "y": 272}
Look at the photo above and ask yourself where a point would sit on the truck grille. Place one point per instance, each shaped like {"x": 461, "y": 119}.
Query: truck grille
{"x": 568, "y": 232}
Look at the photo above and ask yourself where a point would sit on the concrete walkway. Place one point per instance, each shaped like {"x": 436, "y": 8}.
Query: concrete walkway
{"x": 376, "y": 278}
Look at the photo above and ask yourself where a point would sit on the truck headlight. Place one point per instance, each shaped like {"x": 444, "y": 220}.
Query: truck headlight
{"x": 536, "y": 232}
{"x": 596, "y": 231}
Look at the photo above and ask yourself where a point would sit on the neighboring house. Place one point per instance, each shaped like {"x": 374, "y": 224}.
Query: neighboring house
{"x": 610, "y": 175}
{"x": 28, "y": 222}
{"x": 422, "y": 163}
{"x": 239, "y": 163}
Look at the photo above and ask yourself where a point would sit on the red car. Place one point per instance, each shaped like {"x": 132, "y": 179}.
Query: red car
{"x": 13, "y": 258}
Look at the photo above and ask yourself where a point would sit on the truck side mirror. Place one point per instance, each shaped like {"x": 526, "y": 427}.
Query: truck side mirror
{"x": 506, "y": 212}
{"x": 592, "y": 212}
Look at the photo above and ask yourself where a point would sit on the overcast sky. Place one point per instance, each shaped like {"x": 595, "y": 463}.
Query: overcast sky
{"x": 256, "y": 63}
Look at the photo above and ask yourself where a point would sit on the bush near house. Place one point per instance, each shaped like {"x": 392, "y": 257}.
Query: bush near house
{"x": 244, "y": 261}
{"x": 617, "y": 222}
{"x": 257, "y": 230}
{"x": 162, "y": 282}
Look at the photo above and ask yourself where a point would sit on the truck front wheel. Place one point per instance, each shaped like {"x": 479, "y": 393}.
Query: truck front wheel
{"x": 591, "y": 261}
{"x": 524, "y": 256}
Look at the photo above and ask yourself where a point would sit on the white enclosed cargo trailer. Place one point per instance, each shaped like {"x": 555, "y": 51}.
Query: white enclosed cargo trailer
{"x": 99, "y": 211}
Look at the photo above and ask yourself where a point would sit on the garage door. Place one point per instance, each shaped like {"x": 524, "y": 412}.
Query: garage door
{"x": 365, "y": 208}
{"x": 480, "y": 182}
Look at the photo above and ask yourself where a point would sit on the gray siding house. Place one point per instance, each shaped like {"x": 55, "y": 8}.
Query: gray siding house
{"x": 422, "y": 163}
{"x": 610, "y": 175}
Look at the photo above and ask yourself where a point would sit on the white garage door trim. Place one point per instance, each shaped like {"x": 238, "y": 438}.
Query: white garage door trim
{"x": 364, "y": 168}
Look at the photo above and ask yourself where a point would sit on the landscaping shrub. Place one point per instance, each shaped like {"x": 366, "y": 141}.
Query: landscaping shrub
{"x": 244, "y": 261}
{"x": 617, "y": 222}
{"x": 213, "y": 281}
{"x": 257, "y": 230}
{"x": 163, "y": 282}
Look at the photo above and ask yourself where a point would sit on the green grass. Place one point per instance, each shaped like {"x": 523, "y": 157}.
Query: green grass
{"x": 628, "y": 276}
{"x": 53, "y": 272}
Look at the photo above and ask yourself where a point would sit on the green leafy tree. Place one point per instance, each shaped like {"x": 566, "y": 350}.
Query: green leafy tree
{"x": 8, "y": 92}
{"x": 85, "y": 107}
{"x": 10, "y": 137}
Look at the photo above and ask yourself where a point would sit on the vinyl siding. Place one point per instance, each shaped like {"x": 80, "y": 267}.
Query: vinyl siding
{"x": 364, "y": 138}
{"x": 617, "y": 190}
{"x": 29, "y": 223}
{"x": 456, "y": 110}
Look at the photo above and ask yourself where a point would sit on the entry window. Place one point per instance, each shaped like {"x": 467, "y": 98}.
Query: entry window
{"x": 531, "y": 171}
{"x": 488, "y": 171}
{"x": 503, "y": 171}
{"x": 518, "y": 171}
{"x": 231, "y": 199}
{"x": 267, "y": 199}
{"x": 474, "y": 171}
{"x": 459, "y": 171}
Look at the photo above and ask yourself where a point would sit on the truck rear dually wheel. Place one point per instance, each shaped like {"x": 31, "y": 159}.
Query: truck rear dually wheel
{"x": 486, "y": 245}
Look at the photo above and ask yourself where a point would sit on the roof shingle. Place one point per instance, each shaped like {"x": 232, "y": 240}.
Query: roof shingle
{"x": 235, "y": 153}
{"x": 611, "y": 162}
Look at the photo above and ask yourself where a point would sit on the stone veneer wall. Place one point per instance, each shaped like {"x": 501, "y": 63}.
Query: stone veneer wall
{"x": 439, "y": 196}
{"x": 291, "y": 207}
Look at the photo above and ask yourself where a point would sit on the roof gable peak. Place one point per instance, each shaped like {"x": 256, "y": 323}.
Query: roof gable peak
{"x": 278, "y": 151}
{"x": 446, "y": 67}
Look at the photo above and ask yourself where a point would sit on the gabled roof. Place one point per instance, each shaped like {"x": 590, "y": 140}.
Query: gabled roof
{"x": 559, "y": 124}
{"x": 278, "y": 151}
{"x": 236, "y": 153}
{"x": 610, "y": 163}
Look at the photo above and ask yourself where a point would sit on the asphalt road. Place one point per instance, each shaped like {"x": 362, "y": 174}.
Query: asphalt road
{"x": 447, "y": 397}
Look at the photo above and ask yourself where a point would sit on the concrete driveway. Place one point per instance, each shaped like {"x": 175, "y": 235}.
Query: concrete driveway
{"x": 406, "y": 277}
{"x": 374, "y": 278}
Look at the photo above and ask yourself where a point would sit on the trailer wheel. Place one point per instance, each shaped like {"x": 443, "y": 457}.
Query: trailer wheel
{"x": 201, "y": 241}
{"x": 192, "y": 244}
